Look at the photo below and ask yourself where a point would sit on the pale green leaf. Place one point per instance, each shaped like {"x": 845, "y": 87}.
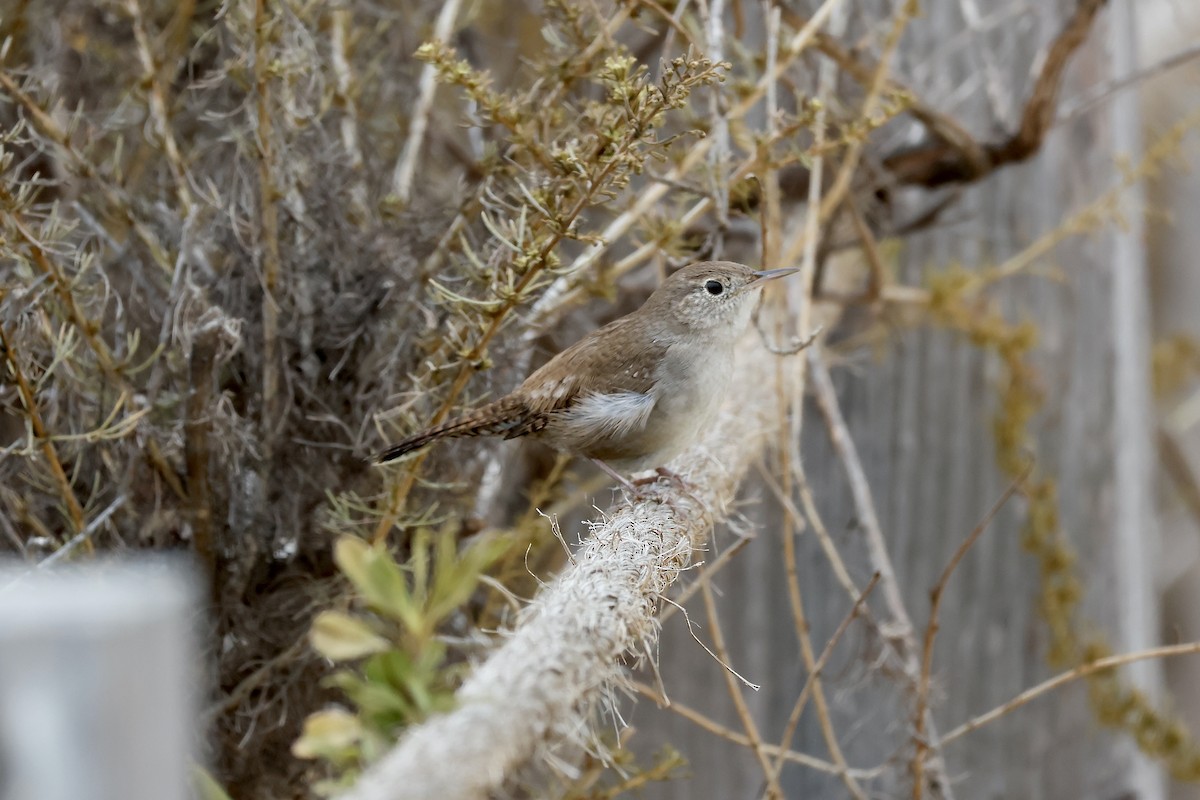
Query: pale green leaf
{"x": 328, "y": 734}
{"x": 341, "y": 637}
{"x": 377, "y": 578}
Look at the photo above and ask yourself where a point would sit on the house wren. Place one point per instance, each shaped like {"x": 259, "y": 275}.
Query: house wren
{"x": 633, "y": 394}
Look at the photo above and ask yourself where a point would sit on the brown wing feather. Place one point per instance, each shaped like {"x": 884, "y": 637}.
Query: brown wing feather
{"x": 501, "y": 417}
{"x": 607, "y": 361}
{"x": 531, "y": 422}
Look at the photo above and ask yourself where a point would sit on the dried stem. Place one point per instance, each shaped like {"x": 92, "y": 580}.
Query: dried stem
{"x": 1103, "y": 91}
{"x": 813, "y": 666}
{"x": 849, "y": 167}
{"x": 772, "y": 213}
{"x": 1062, "y": 679}
{"x": 791, "y": 378}
{"x": 944, "y": 128}
{"x": 159, "y": 107}
{"x": 840, "y": 573}
{"x": 706, "y": 575}
{"x": 735, "y": 694}
{"x": 340, "y": 19}
{"x": 74, "y": 510}
{"x": 268, "y": 243}
{"x": 730, "y": 735}
{"x": 812, "y": 682}
{"x": 117, "y": 197}
{"x": 565, "y": 287}
{"x": 937, "y": 164}
{"x": 935, "y": 605}
{"x": 870, "y": 250}
{"x": 901, "y": 634}
{"x": 454, "y": 230}
{"x": 713, "y": 13}
{"x": 672, "y": 20}
{"x": 197, "y": 431}
{"x": 1095, "y": 213}
{"x": 89, "y": 329}
{"x": 406, "y": 167}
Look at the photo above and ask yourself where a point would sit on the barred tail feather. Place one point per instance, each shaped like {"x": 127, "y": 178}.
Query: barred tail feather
{"x": 501, "y": 417}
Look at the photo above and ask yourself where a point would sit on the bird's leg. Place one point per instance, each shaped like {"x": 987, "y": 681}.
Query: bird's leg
{"x": 612, "y": 473}
{"x": 660, "y": 473}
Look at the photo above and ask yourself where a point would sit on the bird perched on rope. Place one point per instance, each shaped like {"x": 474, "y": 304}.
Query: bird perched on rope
{"x": 635, "y": 393}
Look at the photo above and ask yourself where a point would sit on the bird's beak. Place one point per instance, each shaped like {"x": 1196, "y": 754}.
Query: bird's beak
{"x": 772, "y": 274}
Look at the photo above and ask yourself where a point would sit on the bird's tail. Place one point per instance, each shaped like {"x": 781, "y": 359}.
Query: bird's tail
{"x": 501, "y": 417}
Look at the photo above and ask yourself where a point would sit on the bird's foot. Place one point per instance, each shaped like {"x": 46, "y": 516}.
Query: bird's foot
{"x": 637, "y": 487}
{"x": 661, "y": 473}
{"x": 669, "y": 475}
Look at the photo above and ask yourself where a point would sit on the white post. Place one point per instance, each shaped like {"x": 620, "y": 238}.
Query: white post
{"x": 98, "y": 672}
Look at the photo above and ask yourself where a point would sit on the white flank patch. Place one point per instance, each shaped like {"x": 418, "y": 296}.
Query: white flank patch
{"x": 609, "y": 415}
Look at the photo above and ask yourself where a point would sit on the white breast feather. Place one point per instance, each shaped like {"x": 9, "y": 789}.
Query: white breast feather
{"x": 609, "y": 415}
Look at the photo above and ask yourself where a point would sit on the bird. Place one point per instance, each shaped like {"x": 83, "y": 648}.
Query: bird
{"x": 635, "y": 393}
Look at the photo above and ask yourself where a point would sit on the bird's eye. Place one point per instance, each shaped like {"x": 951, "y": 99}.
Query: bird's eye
{"x": 714, "y": 287}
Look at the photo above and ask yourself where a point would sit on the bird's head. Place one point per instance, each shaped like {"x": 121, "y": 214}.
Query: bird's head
{"x": 711, "y": 297}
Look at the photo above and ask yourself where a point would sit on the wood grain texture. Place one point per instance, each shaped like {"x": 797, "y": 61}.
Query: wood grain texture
{"x": 921, "y": 419}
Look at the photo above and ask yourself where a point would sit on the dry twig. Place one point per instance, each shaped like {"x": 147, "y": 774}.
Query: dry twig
{"x": 740, "y": 739}
{"x": 1062, "y": 679}
{"x": 565, "y": 287}
{"x": 810, "y": 683}
{"x": 938, "y": 164}
{"x": 735, "y": 694}
{"x": 406, "y": 167}
{"x": 931, "y": 629}
{"x": 42, "y": 435}
{"x": 268, "y": 244}
{"x": 902, "y": 637}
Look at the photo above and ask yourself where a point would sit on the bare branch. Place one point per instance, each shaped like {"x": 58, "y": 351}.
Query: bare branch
{"x": 557, "y": 294}
{"x": 159, "y": 108}
{"x": 1062, "y": 679}
{"x": 1103, "y": 91}
{"x": 935, "y": 605}
{"x": 268, "y": 244}
{"x": 937, "y": 164}
{"x": 902, "y": 637}
{"x": 406, "y": 167}
{"x": 717, "y": 729}
{"x": 38, "y": 429}
{"x": 774, "y": 792}
{"x": 812, "y": 681}
{"x": 843, "y": 182}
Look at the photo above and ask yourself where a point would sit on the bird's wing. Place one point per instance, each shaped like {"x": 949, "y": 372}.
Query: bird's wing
{"x": 607, "y": 374}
